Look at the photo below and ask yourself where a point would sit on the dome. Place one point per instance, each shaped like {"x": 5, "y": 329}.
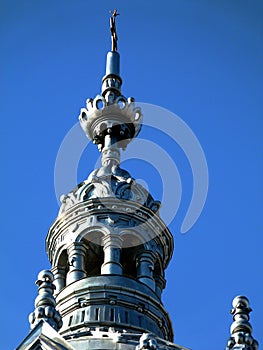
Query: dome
{"x": 117, "y": 184}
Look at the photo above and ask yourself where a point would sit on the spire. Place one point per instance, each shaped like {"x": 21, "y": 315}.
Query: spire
{"x": 111, "y": 83}
{"x": 241, "y": 329}
{"x": 111, "y": 120}
{"x": 45, "y": 303}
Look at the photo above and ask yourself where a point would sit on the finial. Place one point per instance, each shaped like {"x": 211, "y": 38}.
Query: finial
{"x": 111, "y": 120}
{"x": 45, "y": 302}
{"x": 114, "y": 37}
{"x": 241, "y": 329}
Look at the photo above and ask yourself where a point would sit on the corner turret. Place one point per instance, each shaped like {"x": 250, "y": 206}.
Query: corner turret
{"x": 241, "y": 329}
{"x": 45, "y": 303}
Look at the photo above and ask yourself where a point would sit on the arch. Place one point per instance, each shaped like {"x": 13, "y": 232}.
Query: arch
{"x": 63, "y": 258}
{"x": 132, "y": 245}
{"x": 58, "y": 258}
{"x": 60, "y": 271}
{"x": 92, "y": 239}
{"x": 132, "y": 238}
{"x": 91, "y": 232}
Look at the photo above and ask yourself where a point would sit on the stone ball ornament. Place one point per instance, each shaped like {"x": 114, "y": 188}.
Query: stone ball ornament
{"x": 44, "y": 276}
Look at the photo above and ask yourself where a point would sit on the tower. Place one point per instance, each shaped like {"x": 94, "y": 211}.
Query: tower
{"x": 108, "y": 247}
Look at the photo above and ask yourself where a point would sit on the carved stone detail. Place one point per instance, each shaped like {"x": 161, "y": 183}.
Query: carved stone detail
{"x": 147, "y": 341}
{"x": 105, "y": 182}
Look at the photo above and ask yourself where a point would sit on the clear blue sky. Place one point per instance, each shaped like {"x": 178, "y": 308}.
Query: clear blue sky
{"x": 201, "y": 60}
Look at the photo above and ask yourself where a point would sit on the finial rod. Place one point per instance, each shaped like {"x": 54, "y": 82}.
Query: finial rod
{"x": 111, "y": 120}
{"x": 114, "y": 37}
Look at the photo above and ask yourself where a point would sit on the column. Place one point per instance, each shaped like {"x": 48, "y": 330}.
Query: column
{"x": 159, "y": 285}
{"x": 112, "y": 247}
{"x": 76, "y": 257}
{"x": 145, "y": 267}
{"x": 110, "y": 154}
{"x": 59, "y": 273}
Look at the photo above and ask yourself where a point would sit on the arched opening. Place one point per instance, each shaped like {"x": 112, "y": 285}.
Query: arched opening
{"x": 60, "y": 271}
{"x": 131, "y": 247}
{"x": 95, "y": 254}
{"x": 63, "y": 260}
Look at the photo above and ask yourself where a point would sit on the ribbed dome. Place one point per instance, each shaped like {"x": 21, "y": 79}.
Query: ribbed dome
{"x": 116, "y": 183}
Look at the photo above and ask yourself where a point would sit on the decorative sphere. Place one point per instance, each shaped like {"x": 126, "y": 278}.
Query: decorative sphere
{"x": 240, "y": 299}
{"x": 45, "y": 275}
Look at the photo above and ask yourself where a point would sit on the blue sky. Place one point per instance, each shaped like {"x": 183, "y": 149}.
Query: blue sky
{"x": 199, "y": 59}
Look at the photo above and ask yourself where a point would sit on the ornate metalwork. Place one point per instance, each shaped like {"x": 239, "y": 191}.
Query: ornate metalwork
{"x": 110, "y": 181}
{"x": 241, "y": 329}
{"x": 45, "y": 302}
